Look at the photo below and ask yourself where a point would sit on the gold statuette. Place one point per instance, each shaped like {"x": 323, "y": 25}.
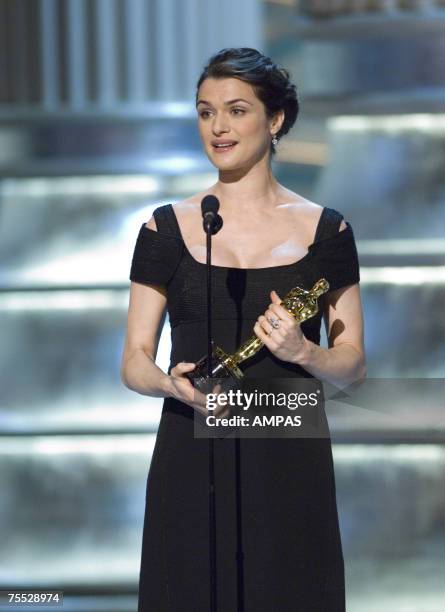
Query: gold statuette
{"x": 301, "y": 303}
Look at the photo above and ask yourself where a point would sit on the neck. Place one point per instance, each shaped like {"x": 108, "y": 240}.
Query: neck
{"x": 247, "y": 190}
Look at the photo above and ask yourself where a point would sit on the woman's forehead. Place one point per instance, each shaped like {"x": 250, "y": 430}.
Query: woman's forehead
{"x": 226, "y": 88}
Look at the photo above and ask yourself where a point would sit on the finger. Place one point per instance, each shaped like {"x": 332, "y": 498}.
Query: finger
{"x": 265, "y": 324}
{"x": 283, "y": 327}
{"x": 275, "y": 297}
{"x": 187, "y": 365}
{"x": 281, "y": 313}
{"x": 183, "y": 366}
{"x": 217, "y": 388}
{"x": 221, "y": 402}
{"x": 223, "y": 409}
{"x": 220, "y": 410}
{"x": 261, "y": 334}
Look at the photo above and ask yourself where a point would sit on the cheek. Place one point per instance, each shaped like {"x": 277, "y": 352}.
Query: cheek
{"x": 202, "y": 129}
{"x": 251, "y": 127}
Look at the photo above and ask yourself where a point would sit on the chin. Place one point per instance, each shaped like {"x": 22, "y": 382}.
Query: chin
{"x": 228, "y": 166}
{"x": 224, "y": 164}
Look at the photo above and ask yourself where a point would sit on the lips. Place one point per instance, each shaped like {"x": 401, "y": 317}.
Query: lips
{"x": 223, "y": 141}
{"x": 223, "y": 145}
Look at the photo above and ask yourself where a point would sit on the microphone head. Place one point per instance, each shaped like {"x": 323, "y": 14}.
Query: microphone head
{"x": 218, "y": 224}
{"x": 209, "y": 203}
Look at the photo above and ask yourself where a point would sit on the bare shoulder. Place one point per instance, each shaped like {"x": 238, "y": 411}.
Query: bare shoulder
{"x": 188, "y": 212}
{"x": 182, "y": 209}
{"x": 190, "y": 205}
{"x": 302, "y": 212}
{"x": 307, "y": 211}
{"x": 151, "y": 224}
{"x": 298, "y": 204}
{"x": 186, "y": 206}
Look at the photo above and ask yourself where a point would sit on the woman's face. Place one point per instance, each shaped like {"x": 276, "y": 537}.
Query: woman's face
{"x": 229, "y": 112}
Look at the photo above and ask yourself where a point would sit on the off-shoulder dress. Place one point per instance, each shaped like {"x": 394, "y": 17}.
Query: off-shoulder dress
{"x": 293, "y": 558}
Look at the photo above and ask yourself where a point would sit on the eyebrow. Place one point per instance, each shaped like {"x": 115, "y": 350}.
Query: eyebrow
{"x": 226, "y": 103}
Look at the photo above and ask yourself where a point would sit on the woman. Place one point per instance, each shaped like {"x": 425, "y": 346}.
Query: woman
{"x": 272, "y": 240}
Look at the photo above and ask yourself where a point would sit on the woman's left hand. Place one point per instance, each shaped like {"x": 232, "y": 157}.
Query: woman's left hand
{"x": 287, "y": 341}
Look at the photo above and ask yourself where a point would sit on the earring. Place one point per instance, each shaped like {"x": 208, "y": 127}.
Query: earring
{"x": 274, "y": 140}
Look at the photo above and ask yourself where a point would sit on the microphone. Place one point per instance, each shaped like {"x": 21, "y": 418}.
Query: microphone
{"x": 212, "y": 222}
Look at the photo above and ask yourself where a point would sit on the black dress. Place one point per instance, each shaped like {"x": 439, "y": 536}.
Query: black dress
{"x": 293, "y": 558}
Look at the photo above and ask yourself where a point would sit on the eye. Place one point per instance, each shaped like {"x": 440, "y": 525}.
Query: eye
{"x": 236, "y": 110}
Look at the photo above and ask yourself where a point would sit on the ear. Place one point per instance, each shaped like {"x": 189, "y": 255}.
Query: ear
{"x": 277, "y": 121}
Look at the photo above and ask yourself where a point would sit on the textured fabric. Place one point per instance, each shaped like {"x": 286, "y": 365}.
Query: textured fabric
{"x": 161, "y": 257}
{"x": 155, "y": 257}
{"x": 289, "y": 528}
{"x": 335, "y": 251}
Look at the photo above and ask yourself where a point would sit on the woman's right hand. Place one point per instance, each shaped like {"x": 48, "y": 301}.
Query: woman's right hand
{"x": 183, "y": 390}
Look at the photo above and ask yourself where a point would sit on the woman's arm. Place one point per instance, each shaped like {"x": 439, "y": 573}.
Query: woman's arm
{"x": 146, "y": 315}
{"x": 139, "y": 372}
{"x": 344, "y": 361}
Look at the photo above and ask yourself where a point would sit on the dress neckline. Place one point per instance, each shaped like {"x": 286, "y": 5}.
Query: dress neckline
{"x": 341, "y": 235}
{"x": 231, "y": 268}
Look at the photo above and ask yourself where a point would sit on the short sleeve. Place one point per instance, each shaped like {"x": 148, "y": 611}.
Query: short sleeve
{"x": 155, "y": 258}
{"x": 338, "y": 259}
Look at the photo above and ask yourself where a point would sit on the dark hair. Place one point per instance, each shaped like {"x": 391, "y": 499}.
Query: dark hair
{"x": 270, "y": 82}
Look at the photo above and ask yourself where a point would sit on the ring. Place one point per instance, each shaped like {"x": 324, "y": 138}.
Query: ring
{"x": 274, "y": 322}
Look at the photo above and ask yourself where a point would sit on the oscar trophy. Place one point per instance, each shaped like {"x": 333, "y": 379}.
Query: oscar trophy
{"x": 301, "y": 303}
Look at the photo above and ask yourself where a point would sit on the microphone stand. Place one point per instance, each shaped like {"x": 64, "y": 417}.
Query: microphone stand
{"x": 211, "y": 491}
{"x": 239, "y": 536}
{"x": 212, "y": 513}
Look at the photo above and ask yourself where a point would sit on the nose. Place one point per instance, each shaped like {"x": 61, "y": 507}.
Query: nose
{"x": 220, "y": 124}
